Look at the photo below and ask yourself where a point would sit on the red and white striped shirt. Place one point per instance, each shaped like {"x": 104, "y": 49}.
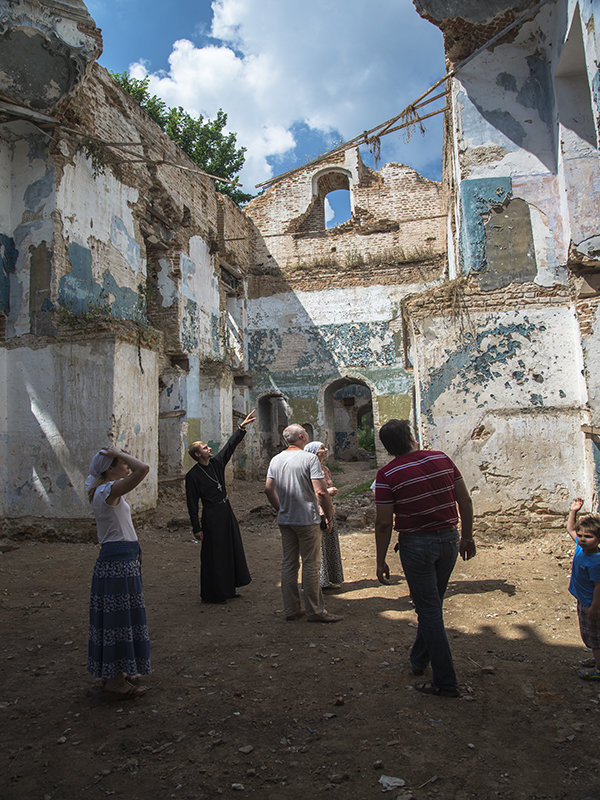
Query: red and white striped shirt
{"x": 420, "y": 485}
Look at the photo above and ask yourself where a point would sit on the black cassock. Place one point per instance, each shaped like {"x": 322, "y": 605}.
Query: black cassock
{"x": 222, "y": 560}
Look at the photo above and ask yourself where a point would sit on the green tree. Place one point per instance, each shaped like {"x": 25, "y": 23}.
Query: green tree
{"x": 202, "y": 140}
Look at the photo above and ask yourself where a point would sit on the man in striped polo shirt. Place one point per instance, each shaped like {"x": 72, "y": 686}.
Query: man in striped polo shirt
{"x": 421, "y": 490}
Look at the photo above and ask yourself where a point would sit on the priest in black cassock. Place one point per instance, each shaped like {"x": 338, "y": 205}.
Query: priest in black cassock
{"x": 222, "y": 561}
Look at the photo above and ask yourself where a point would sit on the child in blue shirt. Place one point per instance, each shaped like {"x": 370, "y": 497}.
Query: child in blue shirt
{"x": 585, "y": 584}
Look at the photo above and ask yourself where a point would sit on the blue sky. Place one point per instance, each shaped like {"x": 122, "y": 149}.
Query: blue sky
{"x": 294, "y": 78}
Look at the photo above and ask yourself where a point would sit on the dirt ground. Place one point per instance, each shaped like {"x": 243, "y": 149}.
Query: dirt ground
{"x": 242, "y": 703}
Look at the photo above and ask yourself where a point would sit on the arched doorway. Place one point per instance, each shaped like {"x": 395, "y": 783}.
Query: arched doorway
{"x": 273, "y": 418}
{"x": 348, "y": 406}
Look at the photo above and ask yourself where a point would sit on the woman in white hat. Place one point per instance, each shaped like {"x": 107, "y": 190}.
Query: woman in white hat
{"x": 119, "y": 646}
{"x": 332, "y": 573}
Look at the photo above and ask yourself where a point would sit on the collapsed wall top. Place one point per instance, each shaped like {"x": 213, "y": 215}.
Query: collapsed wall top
{"x": 47, "y": 47}
{"x": 468, "y": 24}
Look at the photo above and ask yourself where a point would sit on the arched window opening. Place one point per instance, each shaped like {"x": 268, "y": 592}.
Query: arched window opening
{"x": 366, "y": 430}
{"x": 273, "y": 418}
{"x": 337, "y": 208}
{"x": 349, "y": 420}
{"x": 332, "y": 201}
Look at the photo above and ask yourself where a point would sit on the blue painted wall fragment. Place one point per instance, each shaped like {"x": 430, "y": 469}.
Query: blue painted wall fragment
{"x": 472, "y": 365}
{"x": 360, "y": 344}
{"x": 478, "y": 197}
{"x": 189, "y": 326}
{"x": 263, "y": 346}
{"x": 537, "y": 91}
{"x": 79, "y": 293}
{"x": 127, "y": 303}
{"x": 596, "y": 92}
{"x": 8, "y": 262}
{"x": 38, "y": 191}
{"x": 125, "y": 244}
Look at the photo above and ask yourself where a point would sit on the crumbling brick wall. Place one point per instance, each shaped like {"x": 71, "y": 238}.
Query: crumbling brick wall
{"x": 325, "y": 333}
{"x": 132, "y": 239}
{"x": 397, "y": 215}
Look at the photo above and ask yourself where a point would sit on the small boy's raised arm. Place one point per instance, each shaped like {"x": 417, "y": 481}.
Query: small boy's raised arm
{"x": 575, "y": 506}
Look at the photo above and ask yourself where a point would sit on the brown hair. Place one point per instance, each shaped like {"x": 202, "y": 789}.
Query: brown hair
{"x": 590, "y": 523}
{"x": 192, "y": 449}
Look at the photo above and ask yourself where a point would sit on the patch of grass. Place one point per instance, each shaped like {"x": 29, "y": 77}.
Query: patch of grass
{"x": 356, "y": 490}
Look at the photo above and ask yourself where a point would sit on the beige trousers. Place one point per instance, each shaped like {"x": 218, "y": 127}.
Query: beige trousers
{"x": 301, "y": 542}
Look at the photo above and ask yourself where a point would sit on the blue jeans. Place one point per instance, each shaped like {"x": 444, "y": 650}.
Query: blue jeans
{"x": 428, "y": 560}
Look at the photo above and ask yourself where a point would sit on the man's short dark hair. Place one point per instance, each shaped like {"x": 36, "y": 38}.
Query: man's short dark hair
{"x": 397, "y": 437}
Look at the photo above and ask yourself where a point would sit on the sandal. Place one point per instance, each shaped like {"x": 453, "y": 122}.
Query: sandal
{"x": 129, "y": 694}
{"x": 427, "y": 687}
{"x": 588, "y": 662}
{"x": 589, "y": 673}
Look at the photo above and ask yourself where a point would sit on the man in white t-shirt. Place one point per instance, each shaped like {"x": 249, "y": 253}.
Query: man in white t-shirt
{"x": 295, "y": 488}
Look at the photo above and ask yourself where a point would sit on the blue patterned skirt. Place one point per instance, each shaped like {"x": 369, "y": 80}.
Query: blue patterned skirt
{"x": 118, "y": 639}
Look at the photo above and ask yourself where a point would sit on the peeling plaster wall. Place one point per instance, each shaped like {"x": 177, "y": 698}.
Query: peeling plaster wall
{"x": 588, "y": 311}
{"x": 91, "y": 250}
{"x": 505, "y": 365}
{"x": 25, "y": 215}
{"x": 62, "y": 401}
{"x": 324, "y": 307}
{"x": 200, "y": 287}
{"x": 503, "y": 393}
{"x": 523, "y": 125}
{"x": 46, "y": 50}
{"x": 105, "y": 260}
{"x": 300, "y": 343}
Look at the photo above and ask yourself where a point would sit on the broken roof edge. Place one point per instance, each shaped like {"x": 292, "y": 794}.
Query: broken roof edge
{"x": 332, "y": 160}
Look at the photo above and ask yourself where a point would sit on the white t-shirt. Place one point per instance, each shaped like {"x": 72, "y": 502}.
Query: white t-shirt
{"x": 293, "y": 472}
{"x": 113, "y": 522}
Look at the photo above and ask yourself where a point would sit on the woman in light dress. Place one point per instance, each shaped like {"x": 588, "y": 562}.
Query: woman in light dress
{"x": 332, "y": 573}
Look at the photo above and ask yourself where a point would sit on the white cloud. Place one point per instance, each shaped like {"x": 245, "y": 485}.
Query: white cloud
{"x": 329, "y": 212}
{"x": 333, "y": 66}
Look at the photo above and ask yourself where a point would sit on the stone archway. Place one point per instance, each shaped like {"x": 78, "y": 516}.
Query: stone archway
{"x": 346, "y": 401}
{"x": 310, "y": 430}
{"x": 273, "y": 418}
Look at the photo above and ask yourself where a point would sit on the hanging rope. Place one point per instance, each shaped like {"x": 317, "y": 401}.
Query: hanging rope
{"x": 407, "y": 117}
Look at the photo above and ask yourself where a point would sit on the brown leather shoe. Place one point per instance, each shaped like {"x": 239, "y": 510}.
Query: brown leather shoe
{"x": 324, "y": 617}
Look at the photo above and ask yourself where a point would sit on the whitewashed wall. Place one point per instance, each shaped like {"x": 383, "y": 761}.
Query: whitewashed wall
{"x": 504, "y": 395}
{"x": 58, "y": 401}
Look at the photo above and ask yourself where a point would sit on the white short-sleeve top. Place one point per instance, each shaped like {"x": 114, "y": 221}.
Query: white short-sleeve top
{"x": 114, "y": 523}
